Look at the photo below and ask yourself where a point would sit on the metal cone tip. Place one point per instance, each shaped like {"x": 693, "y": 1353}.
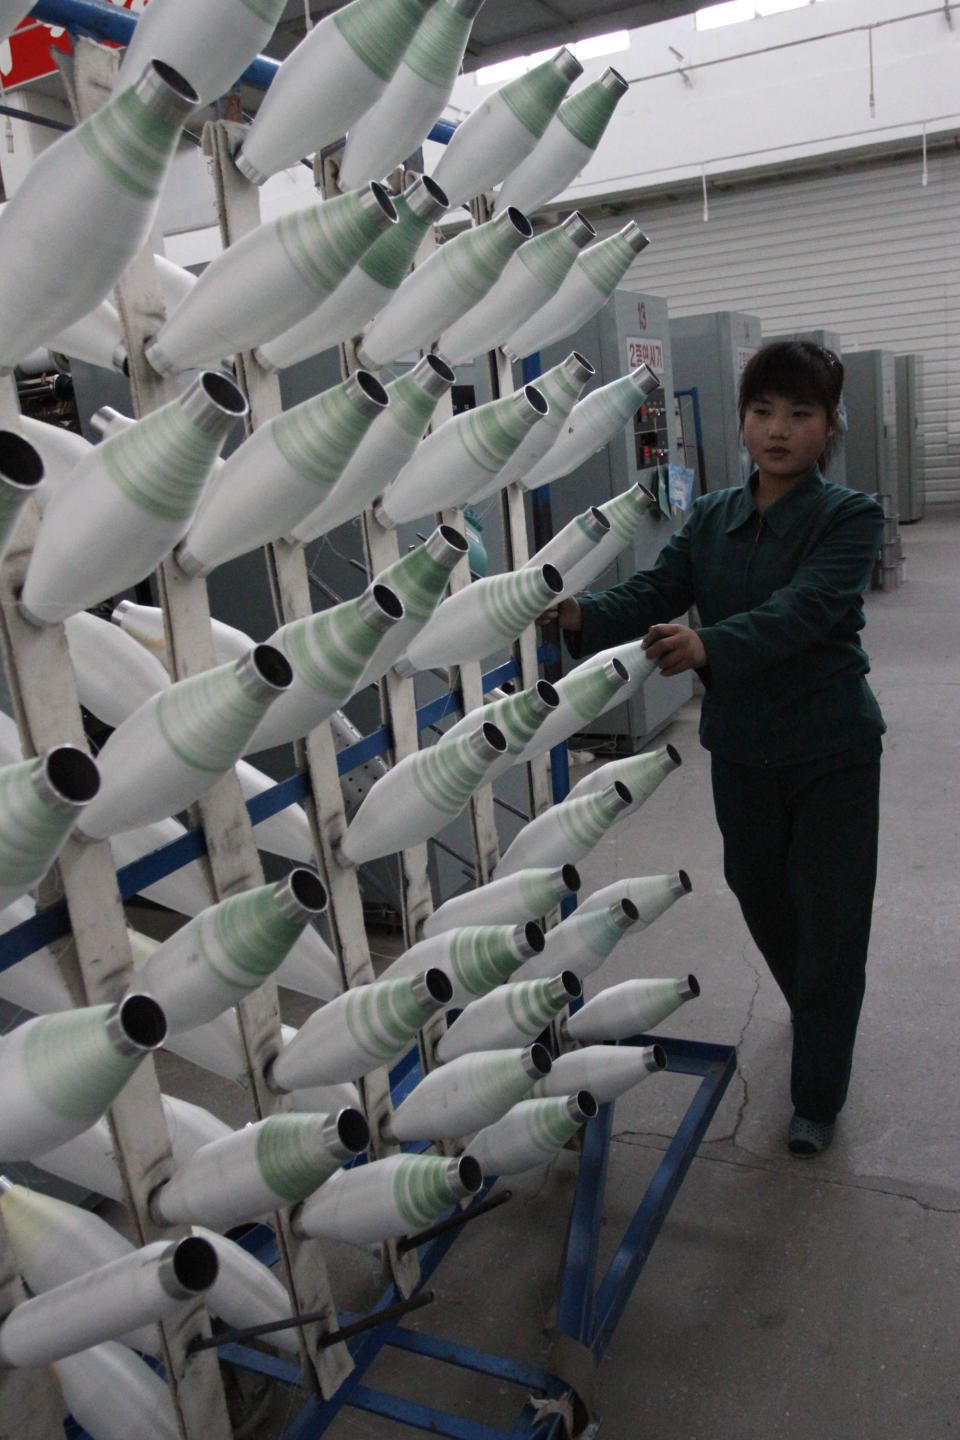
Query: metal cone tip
{"x": 567, "y": 63}
{"x": 263, "y": 671}
{"x": 20, "y": 465}
{"x": 136, "y": 1025}
{"x": 644, "y": 379}
{"x": 376, "y": 203}
{"x": 379, "y": 606}
{"x": 165, "y": 91}
{"x": 488, "y": 741}
{"x": 582, "y": 1106}
{"x": 625, "y": 910}
{"x": 614, "y": 669}
{"x": 568, "y": 876}
{"x": 565, "y": 985}
{"x": 433, "y": 375}
{"x": 300, "y": 895}
{"x": 432, "y": 988}
{"x": 529, "y": 939}
{"x": 681, "y": 884}
{"x": 578, "y": 367}
{"x": 536, "y": 1060}
{"x": 188, "y": 1267}
{"x": 578, "y": 229}
{"x": 689, "y": 988}
{"x": 446, "y": 545}
{"x": 512, "y": 221}
{"x": 425, "y": 198}
{"x": 365, "y": 392}
{"x": 669, "y": 757}
{"x": 634, "y": 236}
{"x": 65, "y": 778}
{"x": 345, "y": 1134}
{"x": 212, "y": 402}
{"x": 595, "y": 522}
{"x": 613, "y": 81}
{"x": 464, "y": 1176}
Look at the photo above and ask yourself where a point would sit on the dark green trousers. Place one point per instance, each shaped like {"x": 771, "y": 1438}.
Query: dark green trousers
{"x": 800, "y": 854}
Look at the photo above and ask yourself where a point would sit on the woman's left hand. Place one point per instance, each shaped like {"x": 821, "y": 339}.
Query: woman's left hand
{"x": 677, "y": 648}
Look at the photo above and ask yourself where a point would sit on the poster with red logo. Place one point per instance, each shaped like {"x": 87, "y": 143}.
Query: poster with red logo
{"x": 26, "y": 54}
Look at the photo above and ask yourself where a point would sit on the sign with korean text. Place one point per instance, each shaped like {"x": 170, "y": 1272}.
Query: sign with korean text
{"x": 645, "y": 351}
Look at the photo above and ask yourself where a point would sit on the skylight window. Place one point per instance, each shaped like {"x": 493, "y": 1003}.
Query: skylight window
{"x": 733, "y": 11}
{"x": 505, "y": 70}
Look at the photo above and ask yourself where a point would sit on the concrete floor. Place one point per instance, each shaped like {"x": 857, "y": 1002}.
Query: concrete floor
{"x": 785, "y": 1298}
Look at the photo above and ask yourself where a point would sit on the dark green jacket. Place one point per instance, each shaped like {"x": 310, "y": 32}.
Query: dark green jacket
{"x": 779, "y": 595}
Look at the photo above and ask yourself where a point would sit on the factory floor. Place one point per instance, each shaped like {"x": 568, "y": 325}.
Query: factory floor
{"x": 785, "y": 1299}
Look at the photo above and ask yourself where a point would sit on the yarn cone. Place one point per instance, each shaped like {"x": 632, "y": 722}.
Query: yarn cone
{"x": 625, "y": 513}
{"x": 519, "y": 716}
{"x": 630, "y": 657}
{"x": 327, "y": 653}
{"x": 187, "y": 889}
{"x": 510, "y": 1015}
{"x": 266, "y": 281}
{"x": 114, "y": 675}
{"x": 398, "y": 1195}
{"x": 180, "y": 743}
{"x": 368, "y": 287}
{"x": 229, "y": 950}
{"x": 384, "y": 449}
{"x": 88, "y": 1161}
{"x": 531, "y": 1133}
{"x": 149, "y": 1284}
{"x": 210, "y": 45}
{"x": 128, "y": 503}
{"x": 367, "y": 1026}
{"x": 113, "y": 1394}
{"x": 106, "y": 175}
{"x": 650, "y": 894}
{"x": 471, "y": 1091}
{"x": 567, "y": 144}
{"x": 37, "y": 986}
{"x": 288, "y": 832}
{"x": 61, "y": 1072}
{"x": 582, "y": 941}
{"x": 582, "y": 696}
{"x": 504, "y": 128}
{"x": 262, "y": 1168}
{"x": 338, "y": 70}
{"x": 530, "y": 278}
{"x": 97, "y": 338}
{"x": 593, "y": 423}
{"x": 246, "y": 1292}
{"x": 41, "y": 801}
{"x": 419, "y": 578}
{"x": 567, "y": 831}
{"x": 60, "y": 453}
{"x": 457, "y": 276}
{"x": 11, "y": 750}
{"x": 589, "y": 283}
{"x": 476, "y": 958}
{"x": 560, "y": 387}
{"x": 460, "y": 456}
{"x": 605, "y": 1070}
{"x": 319, "y": 1098}
{"x": 578, "y": 539}
{"x": 629, "y": 1009}
{"x": 190, "y": 1127}
{"x": 216, "y": 1047}
{"x": 399, "y": 120}
{"x": 21, "y": 473}
{"x": 481, "y": 618}
{"x": 144, "y": 623}
{"x": 527, "y": 893}
{"x": 420, "y": 795}
{"x": 279, "y": 475}
{"x": 310, "y": 967}
{"x": 642, "y": 774}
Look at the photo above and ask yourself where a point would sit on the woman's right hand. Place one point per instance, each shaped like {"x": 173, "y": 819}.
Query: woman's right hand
{"x": 567, "y": 613}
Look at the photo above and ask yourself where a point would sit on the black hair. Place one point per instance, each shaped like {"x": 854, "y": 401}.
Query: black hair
{"x": 800, "y": 370}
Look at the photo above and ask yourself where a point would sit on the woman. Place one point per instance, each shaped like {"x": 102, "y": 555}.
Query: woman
{"x": 776, "y": 569}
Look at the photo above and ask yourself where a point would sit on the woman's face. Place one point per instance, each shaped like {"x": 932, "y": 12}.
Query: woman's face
{"x": 785, "y": 437}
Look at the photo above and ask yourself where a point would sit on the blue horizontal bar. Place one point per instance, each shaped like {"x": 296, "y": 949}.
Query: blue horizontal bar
{"x": 261, "y": 1363}
{"x": 467, "y": 1358}
{"x": 422, "y": 1417}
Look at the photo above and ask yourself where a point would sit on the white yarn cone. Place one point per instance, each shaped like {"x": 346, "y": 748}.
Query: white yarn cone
{"x": 578, "y": 539}
{"x": 21, "y": 476}
{"x": 310, "y": 967}
{"x": 625, "y": 513}
{"x": 128, "y": 503}
{"x": 106, "y": 176}
{"x": 88, "y": 1160}
{"x": 419, "y": 578}
{"x": 97, "y": 338}
{"x": 629, "y": 1009}
{"x": 60, "y": 452}
{"x": 190, "y": 1127}
{"x": 11, "y": 750}
{"x": 420, "y": 795}
{"x": 531, "y": 1133}
{"x": 246, "y": 1292}
{"x": 567, "y": 831}
{"x": 144, "y": 623}
{"x": 115, "y": 1395}
{"x": 567, "y": 144}
{"x": 581, "y": 942}
{"x": 288, "y": 832}
{"x": 259, "y": 1169}
{"x": 334, "y": 74}
{"x": 504, "y": 128}
{"x": 468, "y": 1092}
{"x": 114, "y": 675}
{"x": 651, "y": 894}
{"x": 454, "y": 278}
{"x": 560, "y": 387}
{"x": 581, "y": 696}
{"x": 277, "y": 477}
{"x": 35, "y": 983}
{"x": 605, "y": 1070}
{"x": 512, "y": 900}
{"x": 398, "y": 1195}
{"x": 396, "y": 124}
{"x": 642, "y": 774}
{"x": 512, "y": 1014}
{"x": 11, "y": 13}
{"x": 266, "y": 281}
{"x": 318, "y": 1099}
{"x": 368, "y": 287}
{"x": 175, "y": 282}
{"x": 531, "y": 277}
{"x": 180, "y": 743}
{"x": 481, "y": 618}
{"x": 210, "y": 45}
{"x": 215, "y": 1047}
{"x": 41, "y": 801}
{"x": 593, "y": 423}
{"x": 187, "y": 889}
{"x": 476, "y": 958}
{"x": 462, "y": 455}
{"x": 59, "y": 1073}
{"x": 589, "y": 283}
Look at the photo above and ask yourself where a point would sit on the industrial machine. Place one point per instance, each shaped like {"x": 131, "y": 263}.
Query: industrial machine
{"x": 709, "y": 354}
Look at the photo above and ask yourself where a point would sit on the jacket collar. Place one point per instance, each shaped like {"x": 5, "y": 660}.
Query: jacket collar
{"x": 781, "y": 514}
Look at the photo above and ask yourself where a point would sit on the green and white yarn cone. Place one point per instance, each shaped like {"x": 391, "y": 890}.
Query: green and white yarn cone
{"x": 630, "y": 657}
{"x": 21, "y": 477}
{"x": 278, "y": 476}
{"x": 567, "y": 144}
{"x": 114, "y": 675}
{"x": 516, "y": 898}
{"x": 650, "y": 894}
{"x": 266, "y": 281}
{"x": 61, "y": 1072}
{"x": 327, "y": 653}
{"x": 468, "y": 1092}
{"x": 367, "y": 1026}
{"x": 531, "y": 1133}
{"x": 482, "y": 618}
{"x": 626, "y": 513}
{"x": 520, "y": 716}
{"x": 605, "y": 1070}
{"x": 85, "y": 208}
{"x": 180, "y": 743}
{"x": 336, "y": 72}
{"x": 128, "y": 503}
{"x": 419, "y": 578}
{"x": 642, "y": 774}
{"x": 113, "y": 1394}
{"x": 582, "y": 696}
{"x": 512, "y": 1014}
{"x": 530, "y": 278}
{"x": 368, "y": 287}
{"x": 60, "y": 453}
{"x": 457, "y": 276}
{"x": 420, "y": 795}
{"x": 575, "y": 542}
{"x": 504, "y": 128}
{"x": 210, "y": 45}
{"x": 384, "y": 450}
{"x": 566, "y": 832}
{"x": 246, "y": 1292}
{"x": 264, "y": 1167}
{"x": 461, "y": 456}
{"x": 401, "y": 117}
{"x": 223, "y": 954}
{"x": 560, "y": 387}
{"x": 593, "y": 423}
{"x": 476, "y": 958}
{"x": 629, "y": 1009}
{"x": 591, "y": 280}
{"x": 41, "y": 801}
{"x": 398, "y": 1195}
{"x": 582, "y": 942}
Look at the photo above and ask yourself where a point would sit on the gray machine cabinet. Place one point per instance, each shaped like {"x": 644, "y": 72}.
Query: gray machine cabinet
{"x": 871, "y": 442}
{"x": 911, "y": 482}
{"x": 709, "y": 354}
{"x": 836, "y": 470}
